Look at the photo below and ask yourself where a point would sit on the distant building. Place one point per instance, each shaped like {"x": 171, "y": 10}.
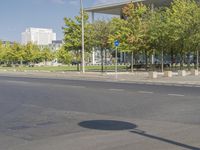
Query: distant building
{"x": 56, "y": 45}
{"x": 7, "y": 42}
{"x": 39, "y": 36}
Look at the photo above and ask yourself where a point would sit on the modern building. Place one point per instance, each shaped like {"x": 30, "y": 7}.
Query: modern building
{"x": 116, "y": 9}
{"x": 39, "y": 36}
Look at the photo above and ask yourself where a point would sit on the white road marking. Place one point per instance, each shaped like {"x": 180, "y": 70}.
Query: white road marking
{"x": 178, "y": 85}
{"x": 145, "y": 92}
{"x": 18, "y": 82}
{"x": 179, "y": 95}
{"x": 120, "y": 90}
{"x": 76, "y": 86}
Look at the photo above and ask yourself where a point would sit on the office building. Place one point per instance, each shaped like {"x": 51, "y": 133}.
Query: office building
{"x": 38, "y": 36}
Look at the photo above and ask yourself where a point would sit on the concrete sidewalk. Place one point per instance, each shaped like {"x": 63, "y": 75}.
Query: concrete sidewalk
{"x": 136, "y": 77}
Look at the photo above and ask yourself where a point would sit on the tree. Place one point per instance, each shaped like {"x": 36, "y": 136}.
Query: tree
{"x": 17, "y": 53}
{"x": 72, "y": 36}
{"x": 1, "y": 51}
{"x": 8, "y": 54}
{"x": 181, "y": 15}
{"x": 63, "y": 56}
{"x": 194, "y": 38}
{"x": 159, "y": 32}
{"x": 31, "y": 53}
{"x": 101, "y": 31}
{"x": 46, "y": 54}
{"x": 136, "y": 16}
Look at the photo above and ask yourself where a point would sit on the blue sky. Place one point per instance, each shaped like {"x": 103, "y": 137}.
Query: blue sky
{"x": 17, "y": 15}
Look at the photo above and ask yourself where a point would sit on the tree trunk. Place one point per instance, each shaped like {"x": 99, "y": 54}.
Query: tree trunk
{"x": 146, "y": 60}
{"x": 181, "y": 61}
{"x": 152, "y": 61}
{"x": 162, "y": 61}
{"x": 21, "y": 62}
{"x": 172, "y": 59}
{"x": 102, "y": 61}
{"x": 188, "y": 61}
{"x": 132, "y": 61}
{"x": 106, "y": 62}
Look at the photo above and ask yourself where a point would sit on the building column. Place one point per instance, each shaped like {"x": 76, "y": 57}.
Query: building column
{"x": 121, "y": 57}
{"x": 92, "y": 17}
{"x": 93, "y": 49}
{"x": 125, "y": 61}
{"x": 93, "y": 56}
{"x": 152, "y": 7}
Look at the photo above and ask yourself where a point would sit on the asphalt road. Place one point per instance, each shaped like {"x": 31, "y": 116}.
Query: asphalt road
{"x": 59, "y": 114}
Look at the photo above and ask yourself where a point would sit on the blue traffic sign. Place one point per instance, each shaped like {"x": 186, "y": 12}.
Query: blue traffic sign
{"x": 116, "y": 43}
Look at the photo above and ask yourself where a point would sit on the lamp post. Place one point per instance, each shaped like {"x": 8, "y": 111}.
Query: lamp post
{"x": 83, "y": 42}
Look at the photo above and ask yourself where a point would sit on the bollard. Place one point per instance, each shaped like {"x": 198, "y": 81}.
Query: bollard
{"x": 194, "y": 72}
{"x": 182, "y": 73}
{"x": 168, "y": 74}
{"x": 153, "y": 75}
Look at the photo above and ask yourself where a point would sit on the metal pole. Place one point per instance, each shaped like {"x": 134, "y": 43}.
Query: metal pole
{"x": 83, "y": 42}
{"x": 116, "y": 63}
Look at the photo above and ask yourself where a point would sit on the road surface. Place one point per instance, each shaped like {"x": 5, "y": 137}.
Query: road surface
{"x": 59, "y": 114}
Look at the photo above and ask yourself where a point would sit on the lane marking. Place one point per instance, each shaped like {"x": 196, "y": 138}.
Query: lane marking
{"x": 178, "y": 85}
{"x": 145, "y": 92}
{"x": 17, "y": 82}
{"x": 119, "y": 90}
{"x": 76, "y": 86}
{"x": 178, "y": 95}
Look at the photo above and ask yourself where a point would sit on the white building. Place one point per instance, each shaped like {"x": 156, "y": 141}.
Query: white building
{"x": 38, "y": 36}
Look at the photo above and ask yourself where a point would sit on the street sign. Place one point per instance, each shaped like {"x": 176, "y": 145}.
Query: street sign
{"x": 116, "y": 58}
{"x": 116, "y": 43}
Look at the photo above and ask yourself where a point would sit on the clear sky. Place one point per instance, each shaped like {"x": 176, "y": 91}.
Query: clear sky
{"x": 17, "y": 15}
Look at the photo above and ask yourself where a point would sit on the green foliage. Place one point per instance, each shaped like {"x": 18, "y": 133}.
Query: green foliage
{"x": 46, "y": 54}
{"x": 32, "y": 53}
{"x": 119, "y": 31}
{"x": 73, "y": 35}
{"x": 16, "y": 53}
{"x": 63, "y": 56}
{"x": 159, "y": 31}
{"x": 101, "y": 31}
{"x": 1, "y": 50}
{"x": 136, "y": 17}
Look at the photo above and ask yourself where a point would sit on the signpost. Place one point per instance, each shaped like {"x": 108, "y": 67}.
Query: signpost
{"x": 116, "y": 43}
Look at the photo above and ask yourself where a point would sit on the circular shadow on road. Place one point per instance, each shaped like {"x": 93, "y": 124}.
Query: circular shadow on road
{"x": 107, "y": 125}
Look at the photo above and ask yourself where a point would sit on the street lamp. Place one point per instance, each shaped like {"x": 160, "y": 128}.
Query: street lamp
{"x": 83, "y": 42}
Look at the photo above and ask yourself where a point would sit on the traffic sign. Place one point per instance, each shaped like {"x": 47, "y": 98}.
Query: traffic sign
{"x": 116, "y": 43}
